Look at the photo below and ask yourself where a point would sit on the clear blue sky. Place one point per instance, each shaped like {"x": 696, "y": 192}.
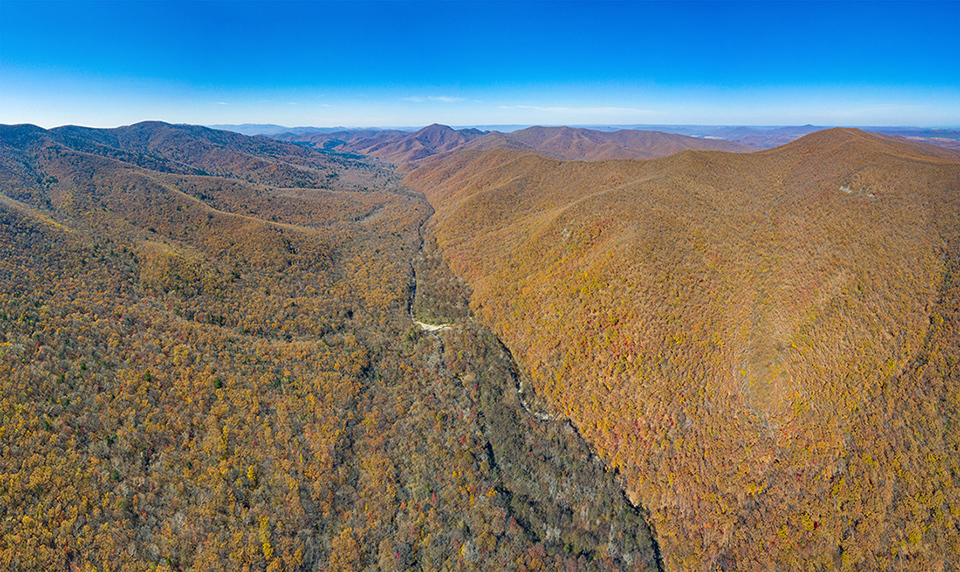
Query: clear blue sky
{"x": 464, "y": 63}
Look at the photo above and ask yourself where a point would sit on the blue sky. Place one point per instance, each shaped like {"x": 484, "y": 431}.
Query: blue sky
{"x": 480, "y": 63}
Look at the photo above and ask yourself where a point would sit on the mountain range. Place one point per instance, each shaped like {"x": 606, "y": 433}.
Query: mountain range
{"x": 553, "y": 348}
{"x": 409, "y": 150}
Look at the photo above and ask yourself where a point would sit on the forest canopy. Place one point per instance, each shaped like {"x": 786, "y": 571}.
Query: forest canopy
{"x": 765, "y": 345}
{"x": 208, "y": 362}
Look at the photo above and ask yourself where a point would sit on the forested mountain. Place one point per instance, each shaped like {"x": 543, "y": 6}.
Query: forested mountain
{"x": 765, "y": 345}
{"x": 208, "y": 362}
{"x": 409, "y": 150}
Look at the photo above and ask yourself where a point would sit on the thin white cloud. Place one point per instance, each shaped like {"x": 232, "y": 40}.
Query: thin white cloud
{"x": 221, "y": 103}
{"x": 586, "y": 110}
{"x": 440, "y": 98}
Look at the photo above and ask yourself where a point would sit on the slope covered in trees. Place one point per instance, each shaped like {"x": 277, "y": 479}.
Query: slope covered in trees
{"x": 766, "y": 345}
{"x": 207, "y": 362}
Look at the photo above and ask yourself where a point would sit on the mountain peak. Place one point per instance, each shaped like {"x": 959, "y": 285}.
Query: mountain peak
{"x": 436, "y": 127}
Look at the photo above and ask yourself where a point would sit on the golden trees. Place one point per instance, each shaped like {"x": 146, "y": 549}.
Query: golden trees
{"x": 197, "y": 372}
{"x": 729, "y": 331}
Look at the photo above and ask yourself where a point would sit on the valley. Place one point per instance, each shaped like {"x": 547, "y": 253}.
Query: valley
{"x": 238, "y": 353}
{"x": 222, "y": 372}
{"x": 460, "y": 286}
{"x": 766, "y": 356}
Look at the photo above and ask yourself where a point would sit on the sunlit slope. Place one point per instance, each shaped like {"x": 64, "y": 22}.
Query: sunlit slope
{"x": 766, "y": 345}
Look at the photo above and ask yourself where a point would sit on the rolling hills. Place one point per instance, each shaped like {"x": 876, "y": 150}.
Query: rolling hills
{"x": 765, "y": 345}
{"x": 208, "y": 361}
{"x": 208, "y": 357}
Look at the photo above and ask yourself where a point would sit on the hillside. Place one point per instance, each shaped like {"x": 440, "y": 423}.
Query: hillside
{"x": 410, "y": 150}
{"x": 208, "y": 361}
{"x": 765, "y": 345}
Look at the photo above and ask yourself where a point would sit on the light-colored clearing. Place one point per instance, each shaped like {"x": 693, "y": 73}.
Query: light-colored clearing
{"x": 432, "y": 327}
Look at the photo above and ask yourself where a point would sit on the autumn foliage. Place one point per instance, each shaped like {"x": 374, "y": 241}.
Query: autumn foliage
{"x": 767, "y": 346}
{"x": 207, "y": 362}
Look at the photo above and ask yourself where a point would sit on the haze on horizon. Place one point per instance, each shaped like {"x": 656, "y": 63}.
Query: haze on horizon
{"x": 358, "y": 64}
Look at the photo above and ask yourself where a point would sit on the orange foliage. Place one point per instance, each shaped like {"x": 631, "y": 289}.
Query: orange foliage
{"x": 764, "y": 345}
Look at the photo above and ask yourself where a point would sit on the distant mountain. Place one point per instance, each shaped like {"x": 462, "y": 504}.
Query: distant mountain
{"x": 501, "y": 128}
{"x": 949, "y": 138}
{"x": 766, "y": 138}
{"x": 911, "y": 132}
{"x": 765, "y": 345}
{"x": 769, "y": 137}
{"x": 752, "y": 136}
{"x": 939, "y": 141}
{"x": 400, "y": 147}
{"x": 590, "y": 145}
{"x": 254, "y": 128}
{"x": 409, "y": 150}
